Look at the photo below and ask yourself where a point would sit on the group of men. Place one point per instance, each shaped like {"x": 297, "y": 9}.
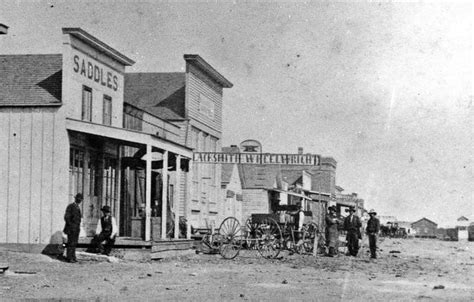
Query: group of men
{"x": 352, "y": 225}
{"x": 105, "y": 232}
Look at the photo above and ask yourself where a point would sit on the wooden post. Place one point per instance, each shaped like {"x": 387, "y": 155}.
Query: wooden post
{"x": 188, "y": 200}
{"x": 148, "y": 194}
{"x": 164, "y": 196}
{"x": 118, "y": 187}
{"x": 176, "y": 201}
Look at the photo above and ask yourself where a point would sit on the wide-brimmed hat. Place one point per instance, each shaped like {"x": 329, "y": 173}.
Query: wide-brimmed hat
{"x": 372, "y": 211}
{"x": 332, "y": 208}
{"x": 351, "y": 209}
{"x": 105, "y": 209}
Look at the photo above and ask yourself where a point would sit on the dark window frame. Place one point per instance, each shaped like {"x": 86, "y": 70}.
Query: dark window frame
{"x": 86, "y": 113}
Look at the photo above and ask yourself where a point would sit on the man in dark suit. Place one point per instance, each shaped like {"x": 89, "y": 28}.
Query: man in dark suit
{"x": 73, "y": 217}
{"x": 352, "y": 226}
{"x": 373, "y": 229}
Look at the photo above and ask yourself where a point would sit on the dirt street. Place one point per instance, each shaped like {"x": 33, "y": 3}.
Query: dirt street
{"x": 407, "y": 270}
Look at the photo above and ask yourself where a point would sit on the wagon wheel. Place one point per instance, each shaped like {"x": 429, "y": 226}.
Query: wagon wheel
{"x": 269, "y": 238}
{"x": 310, "y": 231}
{"x": 251, "y": 234}
{"x": 229, "y": 237}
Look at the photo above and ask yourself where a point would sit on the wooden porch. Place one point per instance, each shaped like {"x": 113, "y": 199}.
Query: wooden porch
{"x": 156, "y": 249}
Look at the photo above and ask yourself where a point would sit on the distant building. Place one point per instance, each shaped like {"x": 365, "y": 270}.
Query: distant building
{"x": 462, "y": 225}
{"x": 268, "y": 185}
{"x": 344, "y": 201}
{"x": 424, "y": 228}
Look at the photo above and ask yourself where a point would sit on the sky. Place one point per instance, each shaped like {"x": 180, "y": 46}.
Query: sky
{"x": 384, "y": 88}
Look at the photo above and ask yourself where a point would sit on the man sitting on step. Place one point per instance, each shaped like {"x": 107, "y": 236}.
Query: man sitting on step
{"x": 106, "y": 231}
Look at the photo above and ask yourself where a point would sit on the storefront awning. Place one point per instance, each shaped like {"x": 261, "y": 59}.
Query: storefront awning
{"x": 289, "y": 193}
{"x": 129, "y": 136}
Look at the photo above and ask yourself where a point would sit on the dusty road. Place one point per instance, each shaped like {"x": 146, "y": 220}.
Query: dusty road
{"x": 407, "y": 270}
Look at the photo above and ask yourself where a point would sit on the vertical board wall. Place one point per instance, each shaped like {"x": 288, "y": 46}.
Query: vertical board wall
{"x": 34, "y": 151}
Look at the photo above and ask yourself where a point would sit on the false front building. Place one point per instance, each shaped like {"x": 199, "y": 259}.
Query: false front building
{"x": 65, "y": 129}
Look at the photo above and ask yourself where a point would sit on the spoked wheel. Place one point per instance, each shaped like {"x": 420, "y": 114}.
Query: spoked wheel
{"x": 251, "y": 233}
{"x": 229, "y": 236}
{"x": 310, "y": 231}
{"x": 269, "y": 238}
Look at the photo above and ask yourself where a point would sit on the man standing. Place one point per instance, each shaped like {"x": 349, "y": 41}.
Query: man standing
{"x": 373, "y": 228}
{"x": 106, "y": 231}
{"x": 73, "y": 217}
{"x": 332, "y": 233}
{"x": 352, "y": 226}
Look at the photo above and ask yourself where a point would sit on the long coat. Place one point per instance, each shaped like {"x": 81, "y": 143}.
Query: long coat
{"x": 72, "y": 218}
{"x": 332, "y": 232}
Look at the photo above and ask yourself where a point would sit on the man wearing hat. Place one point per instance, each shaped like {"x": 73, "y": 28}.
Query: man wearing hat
{"x": 73, "y": 218}
{"x": 332, "y": 232}
{"x": 106, "y": 231}
{"x": 372, "y": 230}
{"x": 352, "y": 225}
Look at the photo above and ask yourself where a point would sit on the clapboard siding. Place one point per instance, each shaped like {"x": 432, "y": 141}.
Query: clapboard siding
{"x": 255, "y": 202}
{"x": 197, "y": 85}
{"x": 4, "y": 171}
{"x": 34, "y": 194}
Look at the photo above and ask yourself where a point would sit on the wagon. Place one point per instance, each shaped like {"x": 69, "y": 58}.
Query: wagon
{"x": 262, "y": 232}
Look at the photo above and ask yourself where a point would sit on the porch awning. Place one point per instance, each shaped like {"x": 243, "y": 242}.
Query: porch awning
{"x": 318, "y": 193}
{"x": 289, "y": 193}
{"x": 129, "y": 136}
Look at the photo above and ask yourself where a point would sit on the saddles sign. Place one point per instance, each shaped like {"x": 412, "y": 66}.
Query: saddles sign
{"x": 256, "y": 158}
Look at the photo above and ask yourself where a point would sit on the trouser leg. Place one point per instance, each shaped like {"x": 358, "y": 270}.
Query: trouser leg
{"x": 373, "y": 246}
{"x": 71, "y": 245}
{"x": 109, "y": 243}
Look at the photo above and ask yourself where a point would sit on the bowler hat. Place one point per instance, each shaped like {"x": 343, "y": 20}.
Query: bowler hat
{"x": 79, "y": 196}
{"x": 372, "y": 211}
{"x": 105, "y": 209}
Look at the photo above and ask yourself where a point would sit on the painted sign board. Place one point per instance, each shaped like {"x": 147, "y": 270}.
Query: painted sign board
{"x": 256, "y": 158}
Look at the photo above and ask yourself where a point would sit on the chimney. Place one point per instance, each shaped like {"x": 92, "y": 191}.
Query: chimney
{"x": 300, "y": 150}
{"x": 3, "y": 29}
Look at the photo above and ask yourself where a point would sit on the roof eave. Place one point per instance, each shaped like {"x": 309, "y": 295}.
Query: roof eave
{"x": 96, "y": 43}
{"x": 206, "y": 67}
{"x": 32, "y": 105}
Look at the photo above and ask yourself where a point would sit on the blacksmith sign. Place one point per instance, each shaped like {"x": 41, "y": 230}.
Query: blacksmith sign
{"x": 256, "y": 158}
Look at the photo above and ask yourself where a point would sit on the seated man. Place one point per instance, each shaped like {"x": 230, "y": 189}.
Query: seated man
{"x": 106, "y": 231}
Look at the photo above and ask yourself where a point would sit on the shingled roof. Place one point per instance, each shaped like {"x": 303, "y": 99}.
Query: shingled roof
{"x": 30, "y": 80}
{"x": 160, "y": 94}
{"x": 226, "y": 173}
{"x": 258, "y": 176}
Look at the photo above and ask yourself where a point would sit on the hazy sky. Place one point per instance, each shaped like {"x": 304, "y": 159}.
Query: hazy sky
{"x": 384, "y": 88}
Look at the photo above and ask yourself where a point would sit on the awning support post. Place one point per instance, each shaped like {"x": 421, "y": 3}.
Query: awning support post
{"x": 164, "y": 196}
{"x": 176, "y": 201}
{"x": 148, "y": 194}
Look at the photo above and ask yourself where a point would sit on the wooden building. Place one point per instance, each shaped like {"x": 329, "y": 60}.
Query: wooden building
{"x": 62, "y": 133}
{"x": 232, "y": 196}
{"x": 462, "y": 224}
{"x": 424, "y": 228}
{"x": 192, "y": 101}
{"x": 267, "y": 185}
